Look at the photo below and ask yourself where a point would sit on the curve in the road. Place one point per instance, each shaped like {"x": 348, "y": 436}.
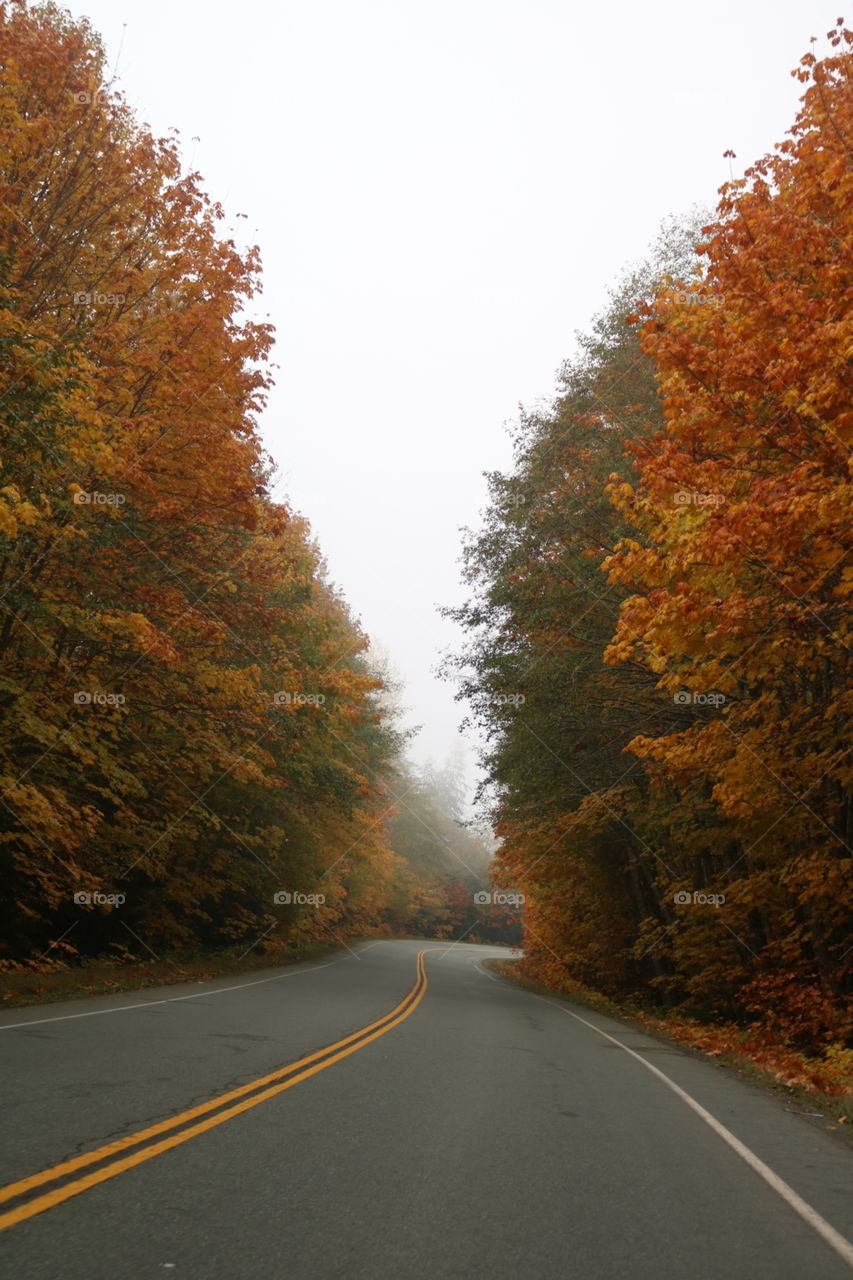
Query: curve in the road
{"x": 260, "y": 1090}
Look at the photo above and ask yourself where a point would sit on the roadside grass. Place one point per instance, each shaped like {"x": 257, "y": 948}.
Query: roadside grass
{"x": 104, "y": 976}
{"x": 96, "y": 976}
{"x": 778, "y": 1068}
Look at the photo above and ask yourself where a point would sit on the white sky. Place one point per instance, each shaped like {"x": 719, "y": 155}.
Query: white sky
{"x": 442, "y": 191}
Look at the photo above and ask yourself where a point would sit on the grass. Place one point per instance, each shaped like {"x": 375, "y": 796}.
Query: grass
{"x": 104, "y": 976}
{"x": 97, "y": 977}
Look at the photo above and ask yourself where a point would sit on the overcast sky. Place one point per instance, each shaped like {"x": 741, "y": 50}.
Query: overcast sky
{"x": 442, "y": 191}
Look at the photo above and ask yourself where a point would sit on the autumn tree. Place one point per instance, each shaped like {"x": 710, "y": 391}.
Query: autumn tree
{"x": 187, "y": 718}
{"x": 739, "y": 566}
{"x": 554, "y": 716}
{"x": 658, "y": 630}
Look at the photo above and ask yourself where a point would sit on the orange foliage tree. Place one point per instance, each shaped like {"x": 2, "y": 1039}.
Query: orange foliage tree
{"x": 741, "y": 577}
{"x": 659, "y": 625}
{"x": 188, "y": 722}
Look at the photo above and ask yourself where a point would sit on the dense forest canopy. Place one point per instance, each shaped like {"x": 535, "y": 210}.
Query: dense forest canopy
{"x": 193, "y": 747}
{"x": 658, "y": 630}
{"x": 196, "y": 749}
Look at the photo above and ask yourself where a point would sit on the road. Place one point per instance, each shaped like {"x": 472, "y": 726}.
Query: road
{"x": 445, "y": 1124}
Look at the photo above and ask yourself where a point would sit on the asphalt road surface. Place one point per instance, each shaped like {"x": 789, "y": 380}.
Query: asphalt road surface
{"x": 376, "y": 1115}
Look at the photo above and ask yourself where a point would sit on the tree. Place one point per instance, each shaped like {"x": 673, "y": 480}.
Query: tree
{"x": 185, "y": 718}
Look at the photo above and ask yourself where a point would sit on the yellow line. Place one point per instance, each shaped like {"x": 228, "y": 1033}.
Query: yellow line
{"x": 134, "y": 1139}
{"x": 344, "y": 1048}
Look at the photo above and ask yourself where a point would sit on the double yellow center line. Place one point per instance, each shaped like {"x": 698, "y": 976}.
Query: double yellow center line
{"x": 180, "y": 1128}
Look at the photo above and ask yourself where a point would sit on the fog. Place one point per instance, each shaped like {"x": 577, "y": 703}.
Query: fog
{"x": 442, "y": 193}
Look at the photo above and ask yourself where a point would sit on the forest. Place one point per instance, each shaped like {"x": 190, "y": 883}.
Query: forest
{"x": 194, "y": 748}
{"x": 198, "y": 751}
{"x": 658, "y": 627}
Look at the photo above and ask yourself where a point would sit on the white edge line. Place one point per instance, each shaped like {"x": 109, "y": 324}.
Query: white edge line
{"x": 147, "y": 1004}
{"x": 833, "y": 1238}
